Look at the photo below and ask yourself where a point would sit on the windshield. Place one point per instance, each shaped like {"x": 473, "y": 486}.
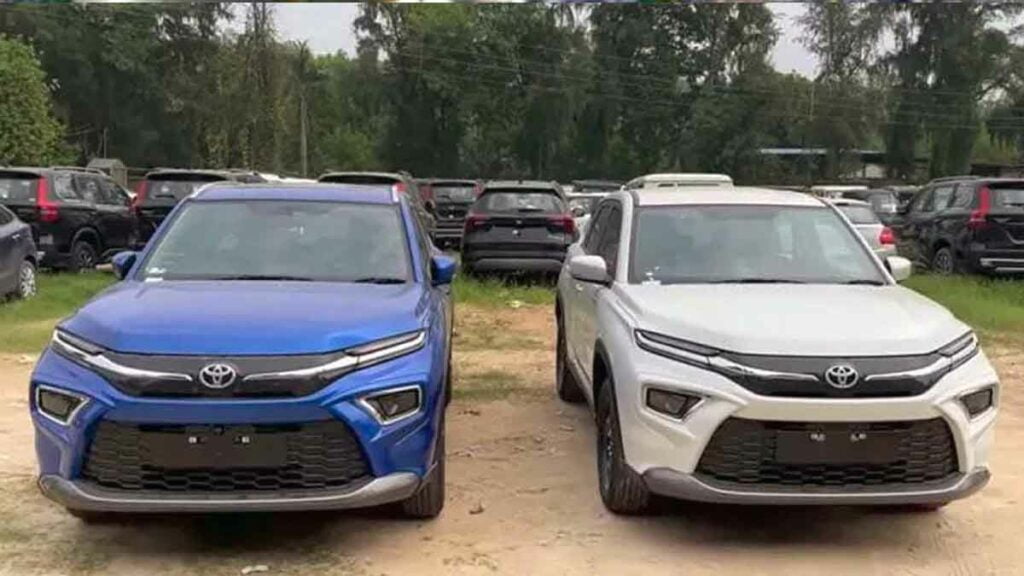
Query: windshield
{"x": 176, "y": 187}
{"x": 454, "y": 192}
{"x": 517, "y": 201}
{"x": 282, "y": 240}
{"x": 709, "y": 244}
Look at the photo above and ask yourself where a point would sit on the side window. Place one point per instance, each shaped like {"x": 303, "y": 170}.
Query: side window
{"x": 608, "y": 248}
{"x": 939, "y": 199}
{"x": 5, "y": 216}
{"x": 590, "y": 245}
{"x": 963, "y": 197}
{"x": 63, "y": 187}
{"x": 424, "y": 245}
{"x": 88, "y": 189}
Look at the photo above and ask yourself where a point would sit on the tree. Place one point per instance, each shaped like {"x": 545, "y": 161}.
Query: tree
{"x": 29, "y": 134}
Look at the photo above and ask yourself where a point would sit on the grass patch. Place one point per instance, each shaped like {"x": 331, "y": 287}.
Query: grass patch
{"x": 492, "y": 385}
{"x": 497, "y": 292}
{"x": 27, "y": 324}
{"x": 994, "y": 307}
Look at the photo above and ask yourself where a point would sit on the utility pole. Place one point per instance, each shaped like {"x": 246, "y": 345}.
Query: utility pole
{"x": 302, "y": 129}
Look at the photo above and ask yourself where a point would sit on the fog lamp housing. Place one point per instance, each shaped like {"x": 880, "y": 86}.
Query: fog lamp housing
{"x": 392, "y": 405}
{"x": 58, "y": 405}
{"x": 672, "y": 404}
{"x": 978, "y": 401}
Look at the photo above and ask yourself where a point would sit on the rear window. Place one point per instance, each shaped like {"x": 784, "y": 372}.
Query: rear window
{"x": 177, "y": 186}
{"x": 17, "y": 188}
{"x": 859, "y": 214}
{"x": 454, "y": 192}
{"x": 884, "y": 202}
{"x": 520, "y": 201}
{"x": 1008, "y": 197}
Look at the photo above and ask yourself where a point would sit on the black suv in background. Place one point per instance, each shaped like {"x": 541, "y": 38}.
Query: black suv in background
{"x": 452, "y": 199}
{"x": 517, "y": 226}
{"x": 78, "y": 217}
{"x": 400, "y": 182}
{"x": 966, "y": 224}
{"x": 161, "y": 190}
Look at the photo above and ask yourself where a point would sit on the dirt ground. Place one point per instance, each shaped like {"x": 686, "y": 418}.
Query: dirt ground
{"x": 522, "y": 500}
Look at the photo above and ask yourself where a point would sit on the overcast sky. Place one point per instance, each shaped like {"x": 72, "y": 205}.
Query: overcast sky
{"x": 328, "y": 28}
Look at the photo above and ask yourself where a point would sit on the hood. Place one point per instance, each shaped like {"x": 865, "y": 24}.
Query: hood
{"x": 796, "y": 320}
{"x": 246, "y": 318}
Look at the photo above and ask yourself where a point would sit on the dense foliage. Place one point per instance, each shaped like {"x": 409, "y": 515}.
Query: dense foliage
{"x": 545, "y": 91}
{"x": 28, "y": 132}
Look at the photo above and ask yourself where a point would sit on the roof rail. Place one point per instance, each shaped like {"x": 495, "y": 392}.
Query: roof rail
{"x": 954, "y": 178}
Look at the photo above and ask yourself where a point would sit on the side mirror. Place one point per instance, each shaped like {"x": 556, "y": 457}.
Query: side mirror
{"x": 122, "y": 263}
{"x": 899, "y": 267}
{"x": 443, "y": 269}
{"x": 589, "y": 269}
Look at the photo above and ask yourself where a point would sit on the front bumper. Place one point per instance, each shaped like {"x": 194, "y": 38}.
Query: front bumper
{"x": 667, "y": 452}
{"x": 667, "y": 482}
{"x": 81, "y": 495}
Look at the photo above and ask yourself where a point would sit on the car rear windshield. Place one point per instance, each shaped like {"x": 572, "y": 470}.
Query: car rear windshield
{"x": 747, "y": 244}
{"x": 883, "y": 202}
{"x": 859, "y": 214}
{"x": 18, "y": 187}
{"x": 282, "y": 240}
{"x": 175, "y": 187}
{"x": 1009, "y": 197}
{"x": 454, "y": 192}
{"x": 520, "y": 201}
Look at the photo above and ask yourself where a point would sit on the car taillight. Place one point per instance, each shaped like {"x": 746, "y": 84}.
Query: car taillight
{"x": 563, "y": 221}
{"x": 979, "y": 217}
{"x": 140, "y": 195}
{"x": 475, "y": 221}
{"x": 48, "y": 210}
{"x": 886, "y": 237}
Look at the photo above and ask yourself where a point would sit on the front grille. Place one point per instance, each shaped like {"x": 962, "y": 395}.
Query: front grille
{"x": 751, "y": 452}
{"x": 313, "y": 455}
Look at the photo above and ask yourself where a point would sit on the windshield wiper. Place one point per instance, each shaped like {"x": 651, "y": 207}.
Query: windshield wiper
{"x": 863, "y": 282}
{"x": 757, "y": 281}
{"x": 379, "y": 280}
{"x": 267, "y": 277}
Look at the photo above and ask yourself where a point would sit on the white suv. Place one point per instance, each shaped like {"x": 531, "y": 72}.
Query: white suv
{"x": 747, "y": 346}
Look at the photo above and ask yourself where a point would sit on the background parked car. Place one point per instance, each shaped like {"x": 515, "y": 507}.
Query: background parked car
{"x": 78, "y": 217}
{"x": 400, "y": 182}
{"x": 452, "y": 199}
{"x": 161, "y": 190}
{"x": 966, "y": 224}
{"x": 883, "y": 201}
{"x": 677, "y": 180}
{"x": 518, "y": 226}
{"x": 879, "y": 236}
{"x": 18, "y": 256}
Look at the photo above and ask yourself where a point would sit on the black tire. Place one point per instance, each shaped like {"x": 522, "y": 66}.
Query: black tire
{"x": 428, "y": 501}
{"x": 622, "y": 490}
{"x": 566, "y": 385}
{"x": 26, "y": 280}
{"x": 83, "y": 256}
{"x": 944, "y": 261}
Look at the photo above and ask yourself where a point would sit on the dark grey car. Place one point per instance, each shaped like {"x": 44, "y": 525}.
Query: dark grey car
{"x": 518, "y": 226}
{"x": 18, "y": 257}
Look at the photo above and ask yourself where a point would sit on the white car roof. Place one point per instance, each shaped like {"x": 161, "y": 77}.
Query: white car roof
{"x": 678, "y": 179}
{"x": 847, "y": 202}
{"x": 717, "y": 195}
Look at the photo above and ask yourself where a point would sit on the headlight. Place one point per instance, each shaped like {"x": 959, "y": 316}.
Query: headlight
{"x": 393, "y": 405}
{"x": 960, "y": 350}
{"x": 58, "y": 405}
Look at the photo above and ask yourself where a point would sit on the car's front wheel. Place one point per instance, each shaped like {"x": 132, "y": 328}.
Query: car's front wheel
{"x": 944, "y": 261}
{"x": 566, "y": 385}
{"x": 622, "y": 490}
{"x": 428, "y": 501}
{"x": 83, "y": 256}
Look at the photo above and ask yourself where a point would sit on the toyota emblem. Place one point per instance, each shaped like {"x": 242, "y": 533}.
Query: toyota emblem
{"x": 217, "y": 376}
{"x": 841, "y": 376}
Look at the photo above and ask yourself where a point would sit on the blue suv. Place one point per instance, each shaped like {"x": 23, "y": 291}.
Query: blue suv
{"x": 273, "y": 348}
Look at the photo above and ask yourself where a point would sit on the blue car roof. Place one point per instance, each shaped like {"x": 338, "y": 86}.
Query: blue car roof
{"x": 309, "y": 192}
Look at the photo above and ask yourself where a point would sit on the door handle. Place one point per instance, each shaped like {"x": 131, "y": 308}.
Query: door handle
{"x": 16, "y": 236}
{"x": 578, "y": 287}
